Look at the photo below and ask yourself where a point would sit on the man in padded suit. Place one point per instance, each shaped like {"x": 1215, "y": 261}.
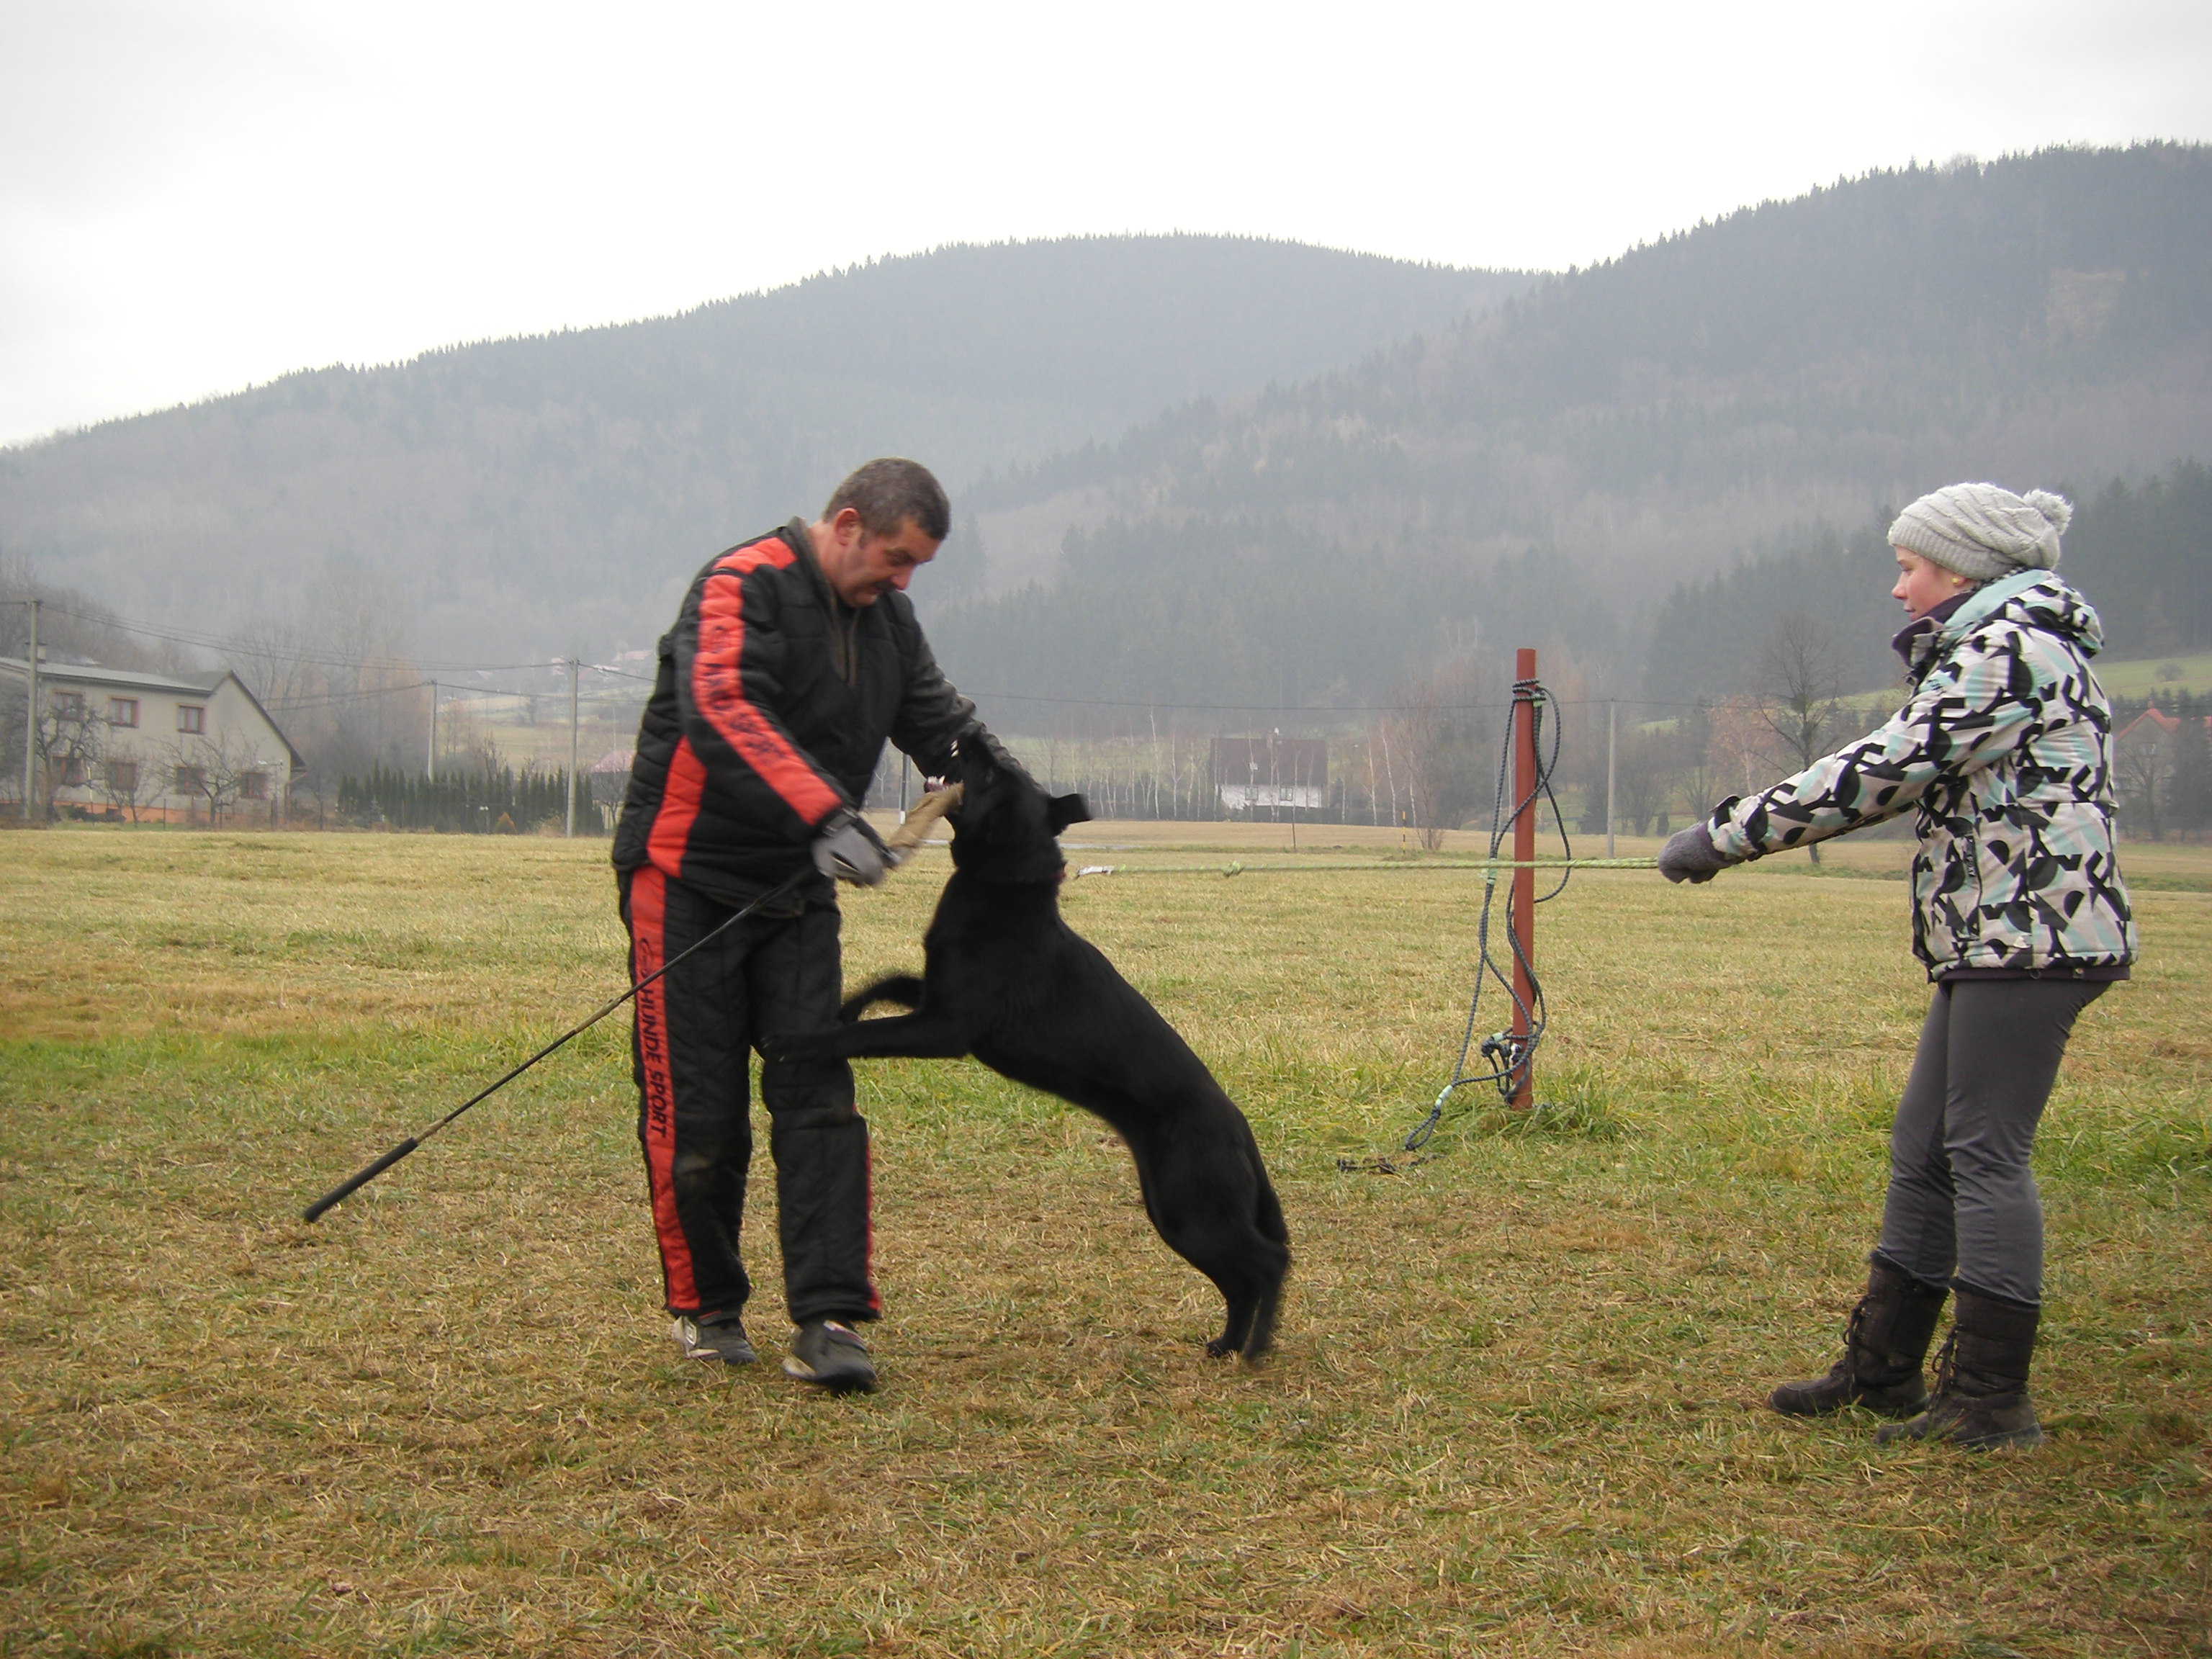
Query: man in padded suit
{"x": 794, "y": 657}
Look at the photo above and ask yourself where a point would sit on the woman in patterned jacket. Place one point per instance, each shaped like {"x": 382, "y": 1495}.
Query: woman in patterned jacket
{"x": 2003, "y": 750}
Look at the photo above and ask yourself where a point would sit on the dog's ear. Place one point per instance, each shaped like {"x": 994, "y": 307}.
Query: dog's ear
{"x": 1063, "y": 810}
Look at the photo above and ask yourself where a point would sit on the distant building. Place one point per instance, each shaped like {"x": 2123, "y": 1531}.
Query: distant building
{"x": 157, "y": 748}
{"x": 2154, "y": 723}
{"x": 1270, "y": 773}
{"x": 609, "y": 776}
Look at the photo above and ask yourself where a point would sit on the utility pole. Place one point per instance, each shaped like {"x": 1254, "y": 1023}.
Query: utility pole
{"x": 575, "y": 669}
{"x": 433, "y": 767}
{"x": 31, "y": 714}
{"x": 1612, "y": 710}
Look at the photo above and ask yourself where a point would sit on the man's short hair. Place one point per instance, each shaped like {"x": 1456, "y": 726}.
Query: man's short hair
{"x": 888, "y": 492}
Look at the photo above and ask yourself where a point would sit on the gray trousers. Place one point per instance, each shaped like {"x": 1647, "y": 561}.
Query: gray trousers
{"x": 1962, "y": 1201}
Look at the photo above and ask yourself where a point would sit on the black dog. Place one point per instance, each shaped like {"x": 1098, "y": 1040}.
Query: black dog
{"x": 1011, "y": 983}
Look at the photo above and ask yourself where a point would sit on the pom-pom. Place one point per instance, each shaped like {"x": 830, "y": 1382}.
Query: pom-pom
{"x": 2058, "y": 511}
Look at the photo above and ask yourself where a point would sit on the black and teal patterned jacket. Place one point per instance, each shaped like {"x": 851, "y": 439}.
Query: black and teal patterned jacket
{"x": 2005, "y": 751}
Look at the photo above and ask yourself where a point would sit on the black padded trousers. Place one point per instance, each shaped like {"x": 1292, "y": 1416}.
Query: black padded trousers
{"x": 692, "y": 1038}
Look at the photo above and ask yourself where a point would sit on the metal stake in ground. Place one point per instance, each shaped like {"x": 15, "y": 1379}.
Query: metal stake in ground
{"x": 1523, "y": 936}
{"x": 361, "y": 1178}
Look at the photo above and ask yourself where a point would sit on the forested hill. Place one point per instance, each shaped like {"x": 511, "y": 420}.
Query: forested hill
{"x": 524, "y": 496}
{"x": 2143, "y": 552}
{"x": 1769, "y": 381}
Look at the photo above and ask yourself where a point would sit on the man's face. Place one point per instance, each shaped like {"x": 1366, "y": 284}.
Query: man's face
{"x": 863, "y": 565}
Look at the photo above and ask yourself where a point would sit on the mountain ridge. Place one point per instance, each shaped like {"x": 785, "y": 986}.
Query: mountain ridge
{"x": 1786, "y": 370}
{"x": 548, "y": 491}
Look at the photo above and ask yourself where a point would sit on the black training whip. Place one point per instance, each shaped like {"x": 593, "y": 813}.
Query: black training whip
{"x": 361, "y": 1178}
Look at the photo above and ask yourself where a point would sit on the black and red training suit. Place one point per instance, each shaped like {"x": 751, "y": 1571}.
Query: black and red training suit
{"x": 768, "y": 713}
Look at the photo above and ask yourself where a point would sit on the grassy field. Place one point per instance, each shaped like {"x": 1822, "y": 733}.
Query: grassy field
{"x": 2150, "y": 676}
{"x": 1516, "y": 1407}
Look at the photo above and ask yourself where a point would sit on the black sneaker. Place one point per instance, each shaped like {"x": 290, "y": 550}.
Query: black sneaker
{"x": 831, "y": 1356}
{"x": 723, "y": 1340}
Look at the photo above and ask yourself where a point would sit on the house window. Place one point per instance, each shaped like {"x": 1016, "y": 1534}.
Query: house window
{"x": 123, "y": 777}
{"x": 191, "y": 717}
{"x": 123, "y": 711}
{"x": 73, "y": 772}
{"x": 68, "y": 705}
{"x": 190, "y": 780}
{"x": 254, "y": 786}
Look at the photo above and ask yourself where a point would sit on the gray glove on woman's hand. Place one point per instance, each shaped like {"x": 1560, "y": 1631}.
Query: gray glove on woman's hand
{"x": 848, "y": 850}
{"x": 1689, "y": 855}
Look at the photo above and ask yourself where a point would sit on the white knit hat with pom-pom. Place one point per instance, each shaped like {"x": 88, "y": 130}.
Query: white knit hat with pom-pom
{"x": 1981, "y": 532}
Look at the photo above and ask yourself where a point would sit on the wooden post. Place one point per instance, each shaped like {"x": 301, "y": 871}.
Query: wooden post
{"x": 1524, "y": 878}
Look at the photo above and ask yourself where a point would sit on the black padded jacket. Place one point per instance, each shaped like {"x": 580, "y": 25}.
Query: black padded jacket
{"x": 768, "y": 713}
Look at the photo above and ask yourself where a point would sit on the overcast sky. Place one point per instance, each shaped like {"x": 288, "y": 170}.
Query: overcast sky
{"x": 201, "y": 194}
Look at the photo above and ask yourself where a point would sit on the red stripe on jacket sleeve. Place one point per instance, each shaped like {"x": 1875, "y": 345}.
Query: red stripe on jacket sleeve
{"x": 718, "y": 687}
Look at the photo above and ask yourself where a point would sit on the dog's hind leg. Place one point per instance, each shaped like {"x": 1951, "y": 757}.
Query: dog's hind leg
{"x": 1206, "y": 1210}
{"x": 904, "y": 989}
{"x": 1236, "y": 1328}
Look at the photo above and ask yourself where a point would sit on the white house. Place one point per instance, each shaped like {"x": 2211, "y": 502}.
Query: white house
{"x": 152, "y": 747}
{"x": 1270, "y": 773}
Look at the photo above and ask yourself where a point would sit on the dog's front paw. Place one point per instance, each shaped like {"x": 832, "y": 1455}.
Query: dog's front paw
{"x": 792, "y": 1047}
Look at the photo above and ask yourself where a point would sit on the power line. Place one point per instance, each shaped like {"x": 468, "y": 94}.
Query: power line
{"x": 234, "y": 645}
{"x": 323, "y": 700}
{"x": 289, "y": 705}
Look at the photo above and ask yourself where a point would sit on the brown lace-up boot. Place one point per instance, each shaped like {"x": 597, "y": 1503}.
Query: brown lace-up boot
{"x": 1884, "y": 1343}
{"x": 1981, "y": 1380}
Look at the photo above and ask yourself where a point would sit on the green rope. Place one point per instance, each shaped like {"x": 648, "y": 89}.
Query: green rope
{"x": 1235, "y": 868}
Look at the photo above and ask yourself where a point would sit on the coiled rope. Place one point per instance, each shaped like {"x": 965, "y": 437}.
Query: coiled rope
{"x": 1508, "y": 1055}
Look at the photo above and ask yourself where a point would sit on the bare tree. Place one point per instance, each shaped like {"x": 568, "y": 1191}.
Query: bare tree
{"x": 1694, "y": 759}
{"x": 219, "y": 772}
{"x": 12, "y": 693}
{"x": 1644, "y": 773}
{"x": 72, "y": 744}
{"x": 2144, "y": 773}
{"x": 1801, "y": 685}
{"x": 339, "y": 679}
{"x": 128, "y": 783}
{"x": 1440, "y": 732}
{"x": 2189, "y": 785}
{"x": 273, "y": 659}
{"x": 1742, "y": 745}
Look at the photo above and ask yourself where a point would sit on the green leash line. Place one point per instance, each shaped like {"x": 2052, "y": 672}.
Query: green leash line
{"x": 1234, "y": 868}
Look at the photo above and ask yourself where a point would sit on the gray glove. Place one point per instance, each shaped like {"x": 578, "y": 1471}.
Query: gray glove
{"x": 1689, "y": 855}
{"x": 847, "y": 849}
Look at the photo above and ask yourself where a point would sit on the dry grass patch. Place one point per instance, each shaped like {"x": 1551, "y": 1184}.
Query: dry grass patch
{"x": 1515, "y": 1412}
